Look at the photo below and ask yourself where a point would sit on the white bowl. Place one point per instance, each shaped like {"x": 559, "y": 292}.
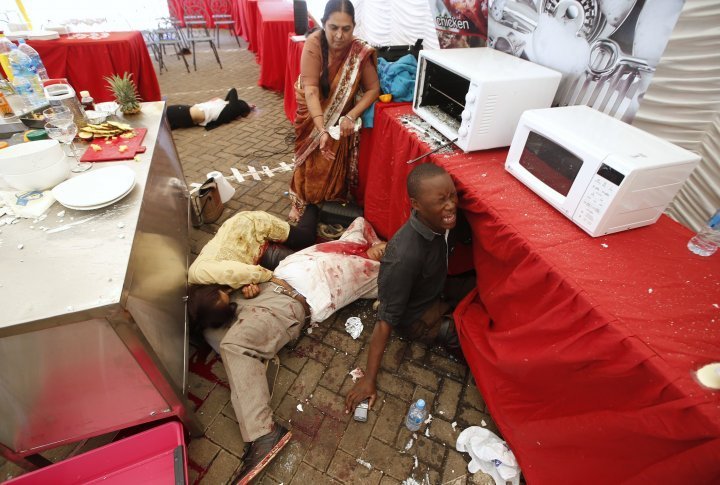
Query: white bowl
{"x": 43, "y": 179}
{"x": 29, "y": 157}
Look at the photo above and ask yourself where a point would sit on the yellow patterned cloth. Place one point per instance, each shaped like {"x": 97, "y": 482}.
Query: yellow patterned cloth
{"x": 230, "y": 258}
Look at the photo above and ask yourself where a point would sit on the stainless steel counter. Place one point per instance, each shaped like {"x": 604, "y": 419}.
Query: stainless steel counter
{"x": 93, "y": 334}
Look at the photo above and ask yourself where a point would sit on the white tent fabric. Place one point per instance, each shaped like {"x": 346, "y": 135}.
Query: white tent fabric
{"x": 83, "y": 15}
{"x": 395, "y": 22}
{"x": 682, "y": 105}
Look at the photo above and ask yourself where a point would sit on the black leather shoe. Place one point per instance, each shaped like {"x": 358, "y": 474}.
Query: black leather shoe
{"x": 261, "y": 452}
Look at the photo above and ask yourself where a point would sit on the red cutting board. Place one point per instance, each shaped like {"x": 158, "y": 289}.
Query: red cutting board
{"x": 110, "y": 148}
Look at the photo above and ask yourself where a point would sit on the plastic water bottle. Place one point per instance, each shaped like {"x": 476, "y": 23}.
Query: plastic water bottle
{"x": 706, "y": 242}
{"x": 26, "y": 81}
{"x": 416, "y": 415}
{"x": 35, "y": 58}
{"x": 5, "y": 48}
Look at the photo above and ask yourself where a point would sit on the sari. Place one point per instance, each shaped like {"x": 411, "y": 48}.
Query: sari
{"x": 316, "y": 178}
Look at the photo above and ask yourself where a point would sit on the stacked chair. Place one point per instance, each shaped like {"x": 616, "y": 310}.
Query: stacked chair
{"x": 221, "y": 17}
{"x": 196, "y": 27}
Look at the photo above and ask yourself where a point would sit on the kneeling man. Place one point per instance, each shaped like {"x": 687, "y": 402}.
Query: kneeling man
{"x": 416, "y": 296}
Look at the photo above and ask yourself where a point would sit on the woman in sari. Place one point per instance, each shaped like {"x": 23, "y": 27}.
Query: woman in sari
{"x": 338, "y": 81}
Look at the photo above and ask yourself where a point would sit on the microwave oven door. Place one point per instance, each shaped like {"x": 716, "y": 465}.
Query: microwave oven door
{"x": 549, "y": 169}
{"x": 440, "y": 97}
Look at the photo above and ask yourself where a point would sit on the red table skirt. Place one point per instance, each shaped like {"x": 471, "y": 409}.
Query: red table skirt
{"x": 252, "y": 20}
{"x": 238, "y": 15}
{"x": 292, "y": 71}
{"x": 584, "y": 349}
{"x": 86, "y": 62}
{"x": 275, "y": 23}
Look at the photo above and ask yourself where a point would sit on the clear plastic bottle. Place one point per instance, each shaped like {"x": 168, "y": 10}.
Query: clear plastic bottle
{"x": 35, "y": 58}
{"x": 416, "y": 415}
{"x": 5, "y": 47}
{"x": 26, "y": 81}
{"x": 706, "y": 242}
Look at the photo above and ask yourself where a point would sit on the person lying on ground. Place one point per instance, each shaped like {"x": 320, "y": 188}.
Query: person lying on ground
{"x": 243, "y": 251}
{"x": 307, "y": 286}
{"x": 416, "y": 296}
{"x": 210, "y": 114}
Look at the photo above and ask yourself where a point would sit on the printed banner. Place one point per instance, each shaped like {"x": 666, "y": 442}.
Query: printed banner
{"x": 460, "y": 23}
{"x": 607, "y": 50}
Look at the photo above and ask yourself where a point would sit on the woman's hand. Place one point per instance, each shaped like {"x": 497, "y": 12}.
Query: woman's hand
{"x": 326, "y": 146}
{"x": 347, "y": 126}
{"x": 250, "y": 291}
{"x": 377, "y": 251}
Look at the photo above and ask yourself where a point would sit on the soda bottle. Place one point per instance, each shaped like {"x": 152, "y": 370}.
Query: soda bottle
{"x": 416, "y": 415}
{"x": 35, "y": 58}
{"x": 706, "y": 242}
{"x": 5, "y": 47}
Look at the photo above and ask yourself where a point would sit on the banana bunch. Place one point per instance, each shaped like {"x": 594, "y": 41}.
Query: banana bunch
{"x": 109, "y": 129}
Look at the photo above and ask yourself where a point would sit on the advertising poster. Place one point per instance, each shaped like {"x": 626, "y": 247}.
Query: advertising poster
{"x": 607, "y": 50}
{"x": 460, "y": 23}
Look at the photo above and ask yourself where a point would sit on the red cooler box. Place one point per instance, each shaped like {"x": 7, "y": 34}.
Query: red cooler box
{"x": 156, "y": 456}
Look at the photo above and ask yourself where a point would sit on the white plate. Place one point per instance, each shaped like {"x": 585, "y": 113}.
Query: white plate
{"x": 33, "y": 34}
{"x": 99, "y": 206}
{"x": 96, "y": 187}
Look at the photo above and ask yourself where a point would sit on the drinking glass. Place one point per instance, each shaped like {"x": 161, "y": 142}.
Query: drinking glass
{"x": 58, "y": 115}
{"x": 65, "y": 133}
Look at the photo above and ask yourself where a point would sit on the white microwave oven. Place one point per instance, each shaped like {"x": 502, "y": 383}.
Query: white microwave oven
{"x": 476, "y": 96}
{"x": 603, "y": 174}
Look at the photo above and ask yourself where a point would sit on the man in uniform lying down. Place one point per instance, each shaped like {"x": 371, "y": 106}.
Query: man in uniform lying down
{"x": 309, "y": 285}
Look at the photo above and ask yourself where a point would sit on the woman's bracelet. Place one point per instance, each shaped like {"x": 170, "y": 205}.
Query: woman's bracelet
{"x": 349, "y": 118}
{"x": 316, "y": 116}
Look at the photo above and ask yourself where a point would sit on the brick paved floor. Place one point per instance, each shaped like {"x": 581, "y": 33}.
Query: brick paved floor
{"x": 327, "y": 445}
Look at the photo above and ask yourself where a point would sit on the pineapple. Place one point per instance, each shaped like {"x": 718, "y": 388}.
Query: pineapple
{"x": 125, "y": 93}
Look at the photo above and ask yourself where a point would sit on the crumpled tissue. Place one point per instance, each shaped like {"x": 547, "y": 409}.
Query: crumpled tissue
{"x": 489, "y": 454}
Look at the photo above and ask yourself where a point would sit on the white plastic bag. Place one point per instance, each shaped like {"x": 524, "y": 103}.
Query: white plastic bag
{"x": 489, "y": 454}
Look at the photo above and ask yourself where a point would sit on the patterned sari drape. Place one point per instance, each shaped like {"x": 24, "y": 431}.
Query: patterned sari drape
{"x": 317, "y": 178}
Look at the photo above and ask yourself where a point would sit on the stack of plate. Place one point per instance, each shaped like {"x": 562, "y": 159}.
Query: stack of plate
{"x": 96, "y": 189}
{"x": 33, "y": 35}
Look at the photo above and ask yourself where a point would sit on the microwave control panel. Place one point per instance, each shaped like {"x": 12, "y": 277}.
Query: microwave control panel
{"x": 598, "y": 196}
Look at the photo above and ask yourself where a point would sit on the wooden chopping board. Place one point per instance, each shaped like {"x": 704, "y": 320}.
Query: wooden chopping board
{"x": 111, "y": 148}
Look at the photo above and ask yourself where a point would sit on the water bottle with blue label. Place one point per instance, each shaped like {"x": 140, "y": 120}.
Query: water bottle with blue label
{"x": 26, "y": 81}
{"x": 416, "y": 415}
{"x": 706, "y": 242}
{"x": 37, "y": 63}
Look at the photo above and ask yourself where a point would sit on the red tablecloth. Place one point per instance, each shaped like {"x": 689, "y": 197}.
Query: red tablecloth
{"x": 238, "y": 15}
{"x": 583, "y": 348}
{"x": 292, "y": 71}
{"x": 86, "y": 62}
{"x": 274, "y": 23}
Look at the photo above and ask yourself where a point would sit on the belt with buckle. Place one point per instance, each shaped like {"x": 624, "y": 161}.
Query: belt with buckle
{"x": 283, "y": 288}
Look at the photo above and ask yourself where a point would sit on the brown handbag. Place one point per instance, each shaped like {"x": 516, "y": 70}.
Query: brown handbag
{"x": 206, "y": 206}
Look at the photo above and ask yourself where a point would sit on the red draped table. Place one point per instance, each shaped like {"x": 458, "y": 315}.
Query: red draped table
{"x": 292, "y": 71}
{"x": 252, "y": 20}
{"x": 85, "y": 62}
{"x": 238, "y": 15}
{"x": 583, "y": 348}
{"x": 274, "y": 23}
